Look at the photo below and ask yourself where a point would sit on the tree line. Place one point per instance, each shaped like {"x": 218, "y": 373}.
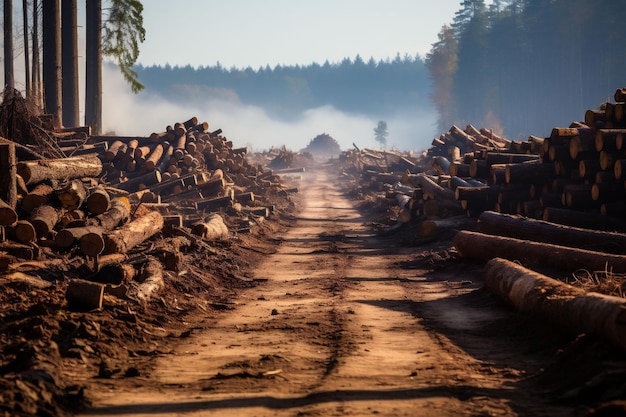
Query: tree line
{"x": 352, "y": 85}
{"x": 51, "y": 66}
{"x": 527, "y": 65}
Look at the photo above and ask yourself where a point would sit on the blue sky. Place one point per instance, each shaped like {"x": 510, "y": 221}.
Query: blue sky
{"x": 257, "y": 33}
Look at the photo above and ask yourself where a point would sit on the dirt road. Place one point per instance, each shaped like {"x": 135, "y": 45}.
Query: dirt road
{"x": 344, "y": 323}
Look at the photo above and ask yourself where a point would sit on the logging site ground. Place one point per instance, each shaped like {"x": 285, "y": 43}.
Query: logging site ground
{"x": 325, "y": 310}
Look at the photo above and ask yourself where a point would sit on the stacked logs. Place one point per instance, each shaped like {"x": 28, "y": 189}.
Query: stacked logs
{"x": 116, "y": 192}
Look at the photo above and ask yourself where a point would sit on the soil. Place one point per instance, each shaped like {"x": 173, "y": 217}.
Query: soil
{"x": 315, "y": 313}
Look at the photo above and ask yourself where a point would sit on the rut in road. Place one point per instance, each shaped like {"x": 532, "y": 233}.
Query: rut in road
{"x": 339, "y": 325}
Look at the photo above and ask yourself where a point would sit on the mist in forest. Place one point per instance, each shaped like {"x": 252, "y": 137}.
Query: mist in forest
{"x": 125, "y": 113}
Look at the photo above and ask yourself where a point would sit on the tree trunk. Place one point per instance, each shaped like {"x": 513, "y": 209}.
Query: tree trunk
{"x": 541, "y": 231}
{"x": 481, "y": 246}
{"x": 52, "y": 59}
{"x": 9, "y": 75}
{"x": 133, "y": 233}
{"x": 73, "y": 167}
{"x": 70, "y": 62}
{"x": 93, "y": 65}
{"x": 36, "y": 73}
{"x": 26, "y": 49}
{"x": 563, "y": 305}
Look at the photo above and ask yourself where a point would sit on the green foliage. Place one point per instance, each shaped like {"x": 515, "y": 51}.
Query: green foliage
{"x": 123, "y": 32}
{"x": 528, "y": 65}
{"x": 381, "y": 133}
{"x": 442, "y": 64}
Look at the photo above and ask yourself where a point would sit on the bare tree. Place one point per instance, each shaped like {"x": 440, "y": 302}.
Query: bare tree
{"x": 52, "y": 59}
{"x": 93, "y": 66}
{"x": 9, "y": 80}
{"x": 69, "y": 52}
{"x": 26, "y": 49}
{"x": 36, "y": 73}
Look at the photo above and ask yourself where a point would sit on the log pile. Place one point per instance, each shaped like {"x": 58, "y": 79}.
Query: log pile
{"x": 106, "y": 196}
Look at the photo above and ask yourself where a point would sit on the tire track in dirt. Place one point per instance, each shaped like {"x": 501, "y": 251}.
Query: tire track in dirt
{"x": 338, "y": 326}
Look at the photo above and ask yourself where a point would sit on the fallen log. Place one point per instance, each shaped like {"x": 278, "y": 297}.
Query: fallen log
{"x": 565, "y": 306}
{"x": 133, "y": 233}
{"x": 211, "y": 227}
{"x": 476, "y": 245}
{"x": 518, "y": 227}
{"x": 60, "y": 169}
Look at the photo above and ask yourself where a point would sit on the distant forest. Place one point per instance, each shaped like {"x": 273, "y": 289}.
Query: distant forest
{"x": 352, "y": 85}
{"x": 518, "y": 66}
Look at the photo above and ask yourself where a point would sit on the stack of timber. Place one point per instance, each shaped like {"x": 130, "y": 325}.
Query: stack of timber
{"x": 571, "y": 217}
{"x": 106, "y": 197}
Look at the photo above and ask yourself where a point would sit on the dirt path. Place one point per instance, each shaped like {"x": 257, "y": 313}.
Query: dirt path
{"x": 344, "y": 323}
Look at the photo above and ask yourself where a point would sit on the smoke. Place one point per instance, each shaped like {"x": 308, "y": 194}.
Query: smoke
{"x": 125, "y": 113}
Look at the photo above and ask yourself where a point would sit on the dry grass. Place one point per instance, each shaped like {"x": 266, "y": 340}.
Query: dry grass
{"x": 604, "y": 282}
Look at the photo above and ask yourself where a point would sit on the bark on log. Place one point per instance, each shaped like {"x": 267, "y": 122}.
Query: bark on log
{"x": 84, "y": 295}
{"x": 563, "y": 305}
{"x": 211, "y": 227}
{"x": 133, "y": 233}
{"x": 481, "y": 246}
{"x": 60, "y": 169}
{"x": 430, "y": 228}
{"x": 518, "y": 227}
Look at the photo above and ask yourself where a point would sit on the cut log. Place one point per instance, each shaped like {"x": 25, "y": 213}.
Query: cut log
{"x": 68, "y": 237}
{"x": 518, "y": 227}
{"x": 39, "y": 195}
{"x": 84, "y": 295}
{"x": 44, "y": 218}
{"x": 60, "y": 169}
{"x": 429, "y": 228}
{"x": 133, "y": 233}
{"x": 211, "y": 227}
{"x": 25, "y": 232}
{"x": 140, "y": 182}
{"x": 72, "y": 195}
{"x": 565, "y": 306}
{"x": 98, "y": 201}
{"x": 118, "y": 212}
{"x": 8, "y": 216}
{"x": 481, "y": 246}
{"x": 583, "y": 220}
{"x": 151, "y": 278}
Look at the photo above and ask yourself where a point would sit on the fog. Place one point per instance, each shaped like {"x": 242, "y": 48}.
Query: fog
{"x": 125, "y": 113}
